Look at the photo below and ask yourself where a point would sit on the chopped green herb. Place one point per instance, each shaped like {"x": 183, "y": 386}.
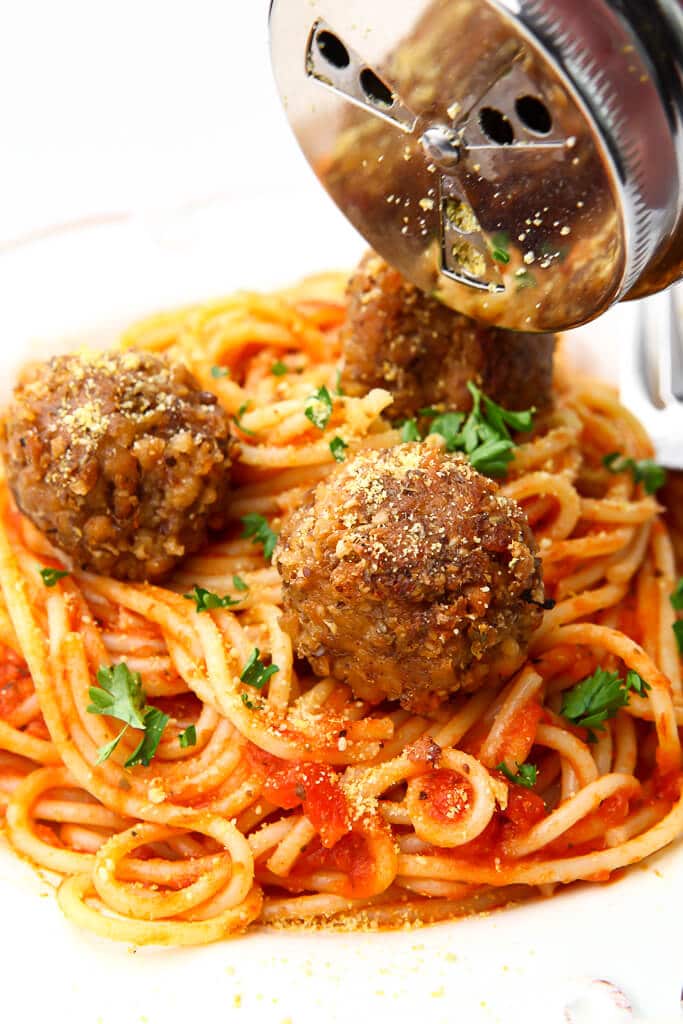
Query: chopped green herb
{"x": 238, "y": 419}
{"x": 501, "y": 418}
{"x": 319, "y": 408}
{"x": 50, "y": 577}
{"x": 205, "y": 600}
{"x": 338, "y": 389}
{"x": 105, "y": 752}
{"x": 599, "y": 697}
{"x": 257, "y": 529}
{"x": 678, "y": 633}
{"x": 220, "y": 371}
{"x": 677, "y": 597}
{"x": 338, "y": 447}
{"x": 636, "y": 683}
{"x": 250, "y": 704}
{"x": 278, "y": 369}
{"x": 410, "y": 432}
{"x": 255, "y": 673}
{"x": 155, "y": 723}
{"x": 485, "y": 435}
{"x": 188, "y": 738}
{"x": 119, "y": 694}
{"x": 500, "y": 248}
{"x": 643, "y": 471}
{"x": 492, "y": 457}
{"x": 239, "y": 584}
{"x": 526, "y": 773}
{"x": 448, "y": 425}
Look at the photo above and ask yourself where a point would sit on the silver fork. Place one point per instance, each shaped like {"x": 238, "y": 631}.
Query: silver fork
{"x": 651, "y": 374}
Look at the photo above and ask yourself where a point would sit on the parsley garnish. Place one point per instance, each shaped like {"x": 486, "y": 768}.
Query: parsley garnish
{"x": 677, "y": 597}
{"x": 238, "y": 420}
{"x": 50, "y": 577}
{"x": 599, "y": 697}
{"x": 220, "y": 371}
{"x": 678, "y": 633}
{"x": 188, "y": 738}
{"x": 250, "y": 704}
{"x": 526, "y": 773}
{"x": 338, "y": 389}
{"x": 410, "y": 432}
{"x": 500, "y": 247}
{"x": 239, "y": 584}
{"x": 278, "y": 369}
{"x": 319, "y": 408}
{"x": 120, "y": 695}
{"x": 338, "y": 447}
{"x": 257, "y": 528}
{"x": 485, "y": 435}
{"x": 448, "y": 425}
{"x": 643, "y": 471}
{"x": 255, "y": 673}
{"x": 205, "y": 600}
{"x": 155, "y": 723}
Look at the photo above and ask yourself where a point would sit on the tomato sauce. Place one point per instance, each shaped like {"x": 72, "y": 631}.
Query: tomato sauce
{"x": 519, "y": 733}
{"x": 350, "y": 855}
{"x": 315, "y": 787}
{"x": 15, "y": 683}
{"x": 524, "y": 809}
{"x": 448, "y": 793}
{"x": 667, "y": 785}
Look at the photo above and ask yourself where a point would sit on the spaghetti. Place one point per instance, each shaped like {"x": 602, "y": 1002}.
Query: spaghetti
{"x": 301, "y": 803}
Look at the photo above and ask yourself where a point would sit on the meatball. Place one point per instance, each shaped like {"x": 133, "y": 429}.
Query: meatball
{"x": 407, "y": 575}
{"x": 398, "y": 338}
{"x": 672, "y": 500}
{"x": 119, "y": 458}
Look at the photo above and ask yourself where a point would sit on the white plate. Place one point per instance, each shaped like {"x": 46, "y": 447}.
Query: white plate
{"x": 547, "y": 961}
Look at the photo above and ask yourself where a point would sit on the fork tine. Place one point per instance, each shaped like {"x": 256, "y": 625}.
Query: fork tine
{"x": 651, "y": 374}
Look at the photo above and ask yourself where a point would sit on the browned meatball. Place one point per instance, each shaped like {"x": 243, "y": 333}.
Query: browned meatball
{"x": 398, "y": 338}
{"x": 672, "y": 500}
{"x": 119, "y": 458}
{"x": 409, "y": 576}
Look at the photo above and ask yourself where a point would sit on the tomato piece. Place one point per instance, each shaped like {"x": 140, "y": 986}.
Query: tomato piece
{"x": 613, "y": 809}
{"x": 449, "y": 794}
{"x": 482, "y": 849}
{"x": 315, "y": 787}
{"x": 668, "y": 784}
{"x": 350, "y": 856}
{"x": 524, "y": 808}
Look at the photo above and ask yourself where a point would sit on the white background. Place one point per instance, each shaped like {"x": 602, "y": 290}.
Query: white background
{"x": 130, "y": 105}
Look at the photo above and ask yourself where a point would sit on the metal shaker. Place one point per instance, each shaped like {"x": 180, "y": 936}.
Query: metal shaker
{"x": 521, "y": 160}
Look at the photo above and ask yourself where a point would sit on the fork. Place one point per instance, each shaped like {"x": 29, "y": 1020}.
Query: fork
{"x": 651, "y": 374}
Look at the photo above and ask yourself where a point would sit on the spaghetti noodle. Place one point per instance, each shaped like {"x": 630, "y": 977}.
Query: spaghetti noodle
{"x": 302, "y": 803}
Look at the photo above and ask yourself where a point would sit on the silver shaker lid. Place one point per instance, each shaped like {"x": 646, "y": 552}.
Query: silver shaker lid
{"x": 515, "y": 158}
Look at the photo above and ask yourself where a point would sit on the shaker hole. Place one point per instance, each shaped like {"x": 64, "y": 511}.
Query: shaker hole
{"x": 534, "y": 114}
{"x": 333, "y": 50}
{"x": 496, "y": 126}
{"x": 375, "y": 89}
